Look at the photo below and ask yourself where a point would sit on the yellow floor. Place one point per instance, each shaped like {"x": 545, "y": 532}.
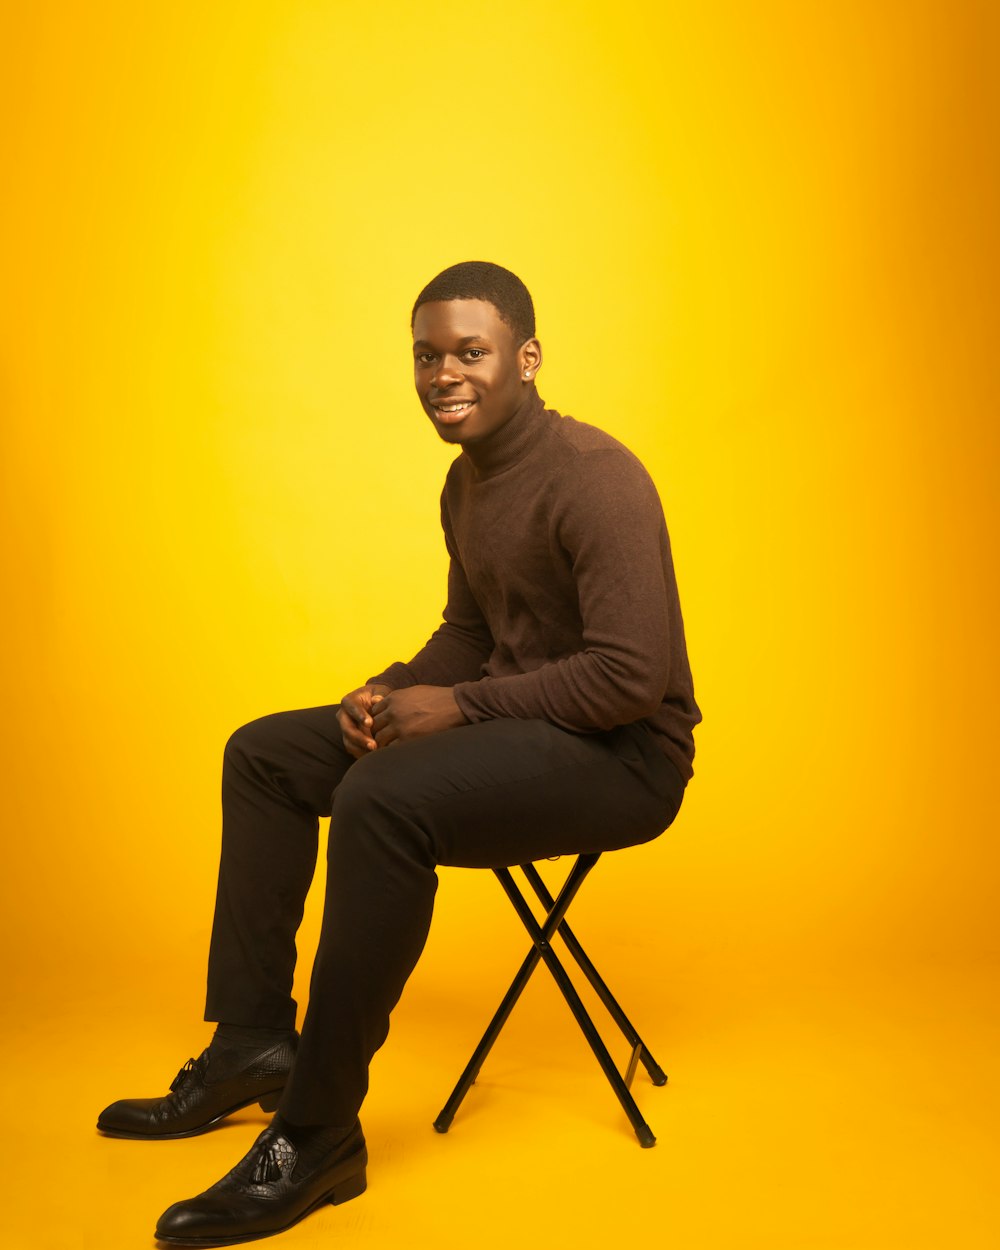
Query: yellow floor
{"x": 797, "y": 1115}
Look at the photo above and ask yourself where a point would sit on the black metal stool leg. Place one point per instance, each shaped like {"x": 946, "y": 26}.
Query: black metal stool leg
{"x": 468, "y": 1077}
{"x": 639, "y": 1049}
{"x": 541, "y": 936}
{"x": 542, "y": 941}
{"x": 556, "y": 912}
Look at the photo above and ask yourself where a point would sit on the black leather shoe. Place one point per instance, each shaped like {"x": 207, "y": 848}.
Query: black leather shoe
{"x": 196, "y": 1102}
{"x": 262, "y": 1195}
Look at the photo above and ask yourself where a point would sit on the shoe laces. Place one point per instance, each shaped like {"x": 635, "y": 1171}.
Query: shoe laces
{"x": 192, "y": 1069}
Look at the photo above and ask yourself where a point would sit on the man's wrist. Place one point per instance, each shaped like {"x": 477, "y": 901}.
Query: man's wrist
{"x": 397, "y": 677}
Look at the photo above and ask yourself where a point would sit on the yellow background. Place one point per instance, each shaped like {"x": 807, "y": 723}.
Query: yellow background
{"x": 761, "y": 240}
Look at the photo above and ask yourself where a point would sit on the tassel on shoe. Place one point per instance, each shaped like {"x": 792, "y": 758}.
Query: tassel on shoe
{"x": 269, "y": 1162}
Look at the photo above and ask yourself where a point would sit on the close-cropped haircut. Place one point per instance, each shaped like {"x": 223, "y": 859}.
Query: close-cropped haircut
{"x": 480, "y": 279}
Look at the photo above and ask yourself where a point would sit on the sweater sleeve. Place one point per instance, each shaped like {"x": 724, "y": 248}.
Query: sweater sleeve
{"x": 458, "y": 648}
{"x": 608, "y": 521}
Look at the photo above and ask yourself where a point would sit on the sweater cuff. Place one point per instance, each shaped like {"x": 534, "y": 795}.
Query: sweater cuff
{"x": 397, "y": 676}
{"x": 465, "y": 696}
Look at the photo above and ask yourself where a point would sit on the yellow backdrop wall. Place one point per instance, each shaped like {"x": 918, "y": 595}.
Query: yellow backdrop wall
{"x": 761, "y": 240}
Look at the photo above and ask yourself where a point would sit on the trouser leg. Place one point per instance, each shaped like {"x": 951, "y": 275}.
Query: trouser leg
{"x": 277, "y": 778}
{"x": 497, "y": 793}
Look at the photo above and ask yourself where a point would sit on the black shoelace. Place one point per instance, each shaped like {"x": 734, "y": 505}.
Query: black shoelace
{"x": 192, "y": 1069}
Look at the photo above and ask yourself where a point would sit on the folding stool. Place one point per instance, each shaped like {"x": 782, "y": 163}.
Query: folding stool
{"x": 541, "y": 936}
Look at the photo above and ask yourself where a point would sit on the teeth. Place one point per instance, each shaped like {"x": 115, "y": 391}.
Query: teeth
{"x": 452, "y": 407}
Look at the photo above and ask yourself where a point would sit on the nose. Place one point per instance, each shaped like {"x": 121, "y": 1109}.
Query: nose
{"x": 447, "y": 373}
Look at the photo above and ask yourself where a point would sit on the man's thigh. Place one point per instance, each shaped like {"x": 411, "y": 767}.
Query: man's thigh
{"x": 504, "y": 792}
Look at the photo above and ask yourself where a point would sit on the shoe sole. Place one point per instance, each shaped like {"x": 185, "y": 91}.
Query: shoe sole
{"x": 266, "y": 1102}
{"x": 351, "y": 1187}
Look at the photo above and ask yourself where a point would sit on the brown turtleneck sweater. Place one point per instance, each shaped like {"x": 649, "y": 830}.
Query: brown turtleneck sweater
{"x": 562, "y": 601}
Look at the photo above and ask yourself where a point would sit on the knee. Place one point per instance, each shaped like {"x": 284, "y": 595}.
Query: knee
{"x": 250, "y": 741}
{"x": 366, "y": 790}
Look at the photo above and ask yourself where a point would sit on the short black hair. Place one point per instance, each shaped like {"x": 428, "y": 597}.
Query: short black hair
{"x": 481, "y": 279}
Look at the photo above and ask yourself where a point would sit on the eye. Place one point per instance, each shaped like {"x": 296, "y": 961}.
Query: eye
{"x": 423, "y": 358}
{"x": 475, "y": 353}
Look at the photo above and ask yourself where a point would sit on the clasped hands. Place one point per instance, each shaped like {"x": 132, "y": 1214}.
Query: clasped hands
{"x": 372, "y": 717}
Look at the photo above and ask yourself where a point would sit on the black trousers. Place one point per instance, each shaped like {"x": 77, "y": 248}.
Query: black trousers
{"x": 496, "y": 793}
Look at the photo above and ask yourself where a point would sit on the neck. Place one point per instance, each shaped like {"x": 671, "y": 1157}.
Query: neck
{"x": 510, "y": 443}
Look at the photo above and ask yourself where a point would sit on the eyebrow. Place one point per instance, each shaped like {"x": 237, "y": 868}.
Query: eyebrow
{"x": 469, "y": 338}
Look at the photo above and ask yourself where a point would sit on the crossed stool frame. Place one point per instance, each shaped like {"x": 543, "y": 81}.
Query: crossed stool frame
{"x": 541, "y": 937}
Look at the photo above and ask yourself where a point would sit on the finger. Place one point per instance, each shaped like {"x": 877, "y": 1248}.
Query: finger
{"x": 386, "y": 736}
{"x": 352, "y": 721}
{"x": 354, "y": 736}
{"x": 356, "y": 711}
{"x": 358, "y": 742}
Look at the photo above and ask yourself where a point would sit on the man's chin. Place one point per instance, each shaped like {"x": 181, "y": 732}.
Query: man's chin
{"x": 448, "y": 434}
{"x": 454, "y": 431}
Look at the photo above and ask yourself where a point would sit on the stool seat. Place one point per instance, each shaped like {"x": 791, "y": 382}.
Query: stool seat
{"x": 541, "y": 936}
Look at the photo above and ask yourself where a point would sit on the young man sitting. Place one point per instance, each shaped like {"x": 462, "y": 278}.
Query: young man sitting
{"x": 550, "y": 713}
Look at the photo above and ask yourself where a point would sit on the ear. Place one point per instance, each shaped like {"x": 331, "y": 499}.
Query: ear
{"x": 529, "y": 357}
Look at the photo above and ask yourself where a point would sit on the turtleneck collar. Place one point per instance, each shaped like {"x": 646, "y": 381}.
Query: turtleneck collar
{"x": 511, "y": 443}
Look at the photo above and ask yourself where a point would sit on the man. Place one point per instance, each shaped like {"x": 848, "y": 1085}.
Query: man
{"x": 551, "y": 713}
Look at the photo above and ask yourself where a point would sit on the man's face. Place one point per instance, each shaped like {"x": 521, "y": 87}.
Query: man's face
{"x": 468, "y": 370}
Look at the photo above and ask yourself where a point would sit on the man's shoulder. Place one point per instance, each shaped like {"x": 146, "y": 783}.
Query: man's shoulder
{"x": 585, "y": 447}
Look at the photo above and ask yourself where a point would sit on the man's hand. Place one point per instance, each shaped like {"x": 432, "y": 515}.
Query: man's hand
{"x": 355, "y": 719}
{"x": 414, "y": 712}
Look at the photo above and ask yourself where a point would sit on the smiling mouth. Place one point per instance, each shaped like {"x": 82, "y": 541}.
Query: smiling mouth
{"x": 452, "y": 411}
